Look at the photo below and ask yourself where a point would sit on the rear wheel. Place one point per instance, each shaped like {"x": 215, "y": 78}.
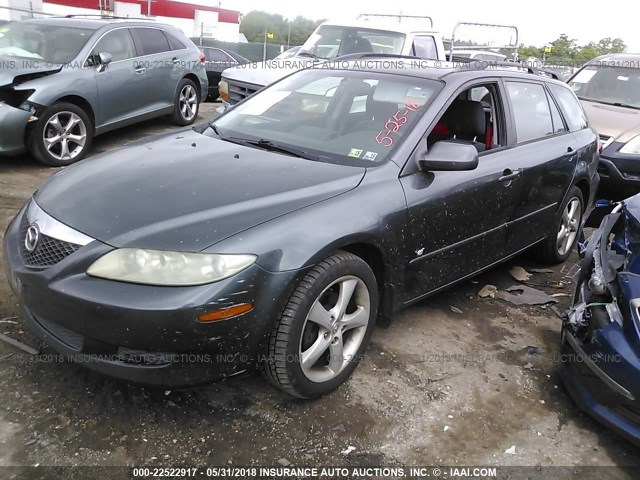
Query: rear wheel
{"x": 558, "y": 245}
{"x": 186, "y": 103}
{"x": 325, "y": 328}
{"x": 61, "y": 136}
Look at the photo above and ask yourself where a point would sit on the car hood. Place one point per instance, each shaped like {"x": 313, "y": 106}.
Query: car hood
{"x": 265, "y": 73}
{"x": 16, "y": 70}
{"x": 621, "y": 123}
{"x": 186, "y": 191}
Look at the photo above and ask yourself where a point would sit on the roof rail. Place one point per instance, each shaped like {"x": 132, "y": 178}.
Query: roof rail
{"x": 483, "y": 65}
{"x": 367, "y": 16}
{"x": 512, "y": 45}
{"x": 105, "y": 17}
{"x": 357, "y": 56}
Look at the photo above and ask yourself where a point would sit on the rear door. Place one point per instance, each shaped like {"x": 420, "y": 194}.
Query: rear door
{"x": 121, "y": 90}
{"x": 157, "y": 63}
{"x": 547, "y": 154}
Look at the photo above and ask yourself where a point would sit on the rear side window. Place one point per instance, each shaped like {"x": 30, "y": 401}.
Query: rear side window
{"x": 151, "y": 40}
{"x": 118, "y": 43}
{"x": 174, "y": 43}
{"x": 530, "y": 110}
{"x": 425, "y": 47}
{"x": 571, "y": 107}
{"x": 558, "y": 124}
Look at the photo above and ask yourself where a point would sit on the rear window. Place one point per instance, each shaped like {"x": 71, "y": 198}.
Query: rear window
{"x": 425, "y": 47}
{"x": 151, "y": 40}
{"x": 573, "y": 112}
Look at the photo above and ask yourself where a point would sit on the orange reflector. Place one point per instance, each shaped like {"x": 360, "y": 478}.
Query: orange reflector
{"x": 224, "y": 96}
{"x": 224, "y": 313}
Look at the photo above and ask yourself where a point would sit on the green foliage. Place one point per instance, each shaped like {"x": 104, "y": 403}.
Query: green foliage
{"x": 254, "y": 23}
{"x": 565, "y": 49}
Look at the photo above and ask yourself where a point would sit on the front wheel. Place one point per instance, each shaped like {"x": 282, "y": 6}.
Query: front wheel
{"x": 61, "y": 136}
{"x": 325, "y": 327}
{"x": 186, "y": 103}
{"x": 561, "y": 240}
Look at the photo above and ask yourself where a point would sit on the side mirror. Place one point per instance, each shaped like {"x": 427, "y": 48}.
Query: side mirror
{"x": 103, "y": 59}
{"x": 450, "y": 155}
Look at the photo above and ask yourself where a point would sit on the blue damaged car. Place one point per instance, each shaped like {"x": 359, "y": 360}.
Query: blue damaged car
{"x": 601, "y": 332}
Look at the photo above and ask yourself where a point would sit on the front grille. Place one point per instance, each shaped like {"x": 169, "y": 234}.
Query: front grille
{"x": 49, "y": 251}
{"x": 238, "y": 91}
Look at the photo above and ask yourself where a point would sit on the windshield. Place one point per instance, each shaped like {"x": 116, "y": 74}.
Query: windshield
{"x": 50, "y": 43}
{"x": 608, "y": 84}
{"x": 349, "y": 117}
{"x": 330, "y": 41}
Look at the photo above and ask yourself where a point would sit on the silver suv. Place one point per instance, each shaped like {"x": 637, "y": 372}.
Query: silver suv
{"x": 64, "y": 80}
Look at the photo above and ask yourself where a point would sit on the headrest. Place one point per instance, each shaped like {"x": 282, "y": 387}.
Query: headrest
{"x": 466, "y": 117}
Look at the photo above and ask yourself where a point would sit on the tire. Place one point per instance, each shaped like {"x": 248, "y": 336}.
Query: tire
{"x": 551, "y": 251}
{"x": 186, "y": 104}
{"x": 295, "y": 336}
{"x": 61, "y": 136}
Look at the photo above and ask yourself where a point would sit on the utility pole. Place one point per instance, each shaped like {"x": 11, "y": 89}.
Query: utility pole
{"x": 148, "y": 8}
{"x": 289, "y": 36}
{"x": 264, "y": 50}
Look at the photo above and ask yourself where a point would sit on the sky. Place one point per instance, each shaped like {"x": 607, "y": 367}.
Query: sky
{"x": 544, "y": 21}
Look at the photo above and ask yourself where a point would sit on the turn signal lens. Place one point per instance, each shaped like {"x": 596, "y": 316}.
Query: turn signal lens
{"x": 223, "y": 89}
{"x": 225, "y": 313}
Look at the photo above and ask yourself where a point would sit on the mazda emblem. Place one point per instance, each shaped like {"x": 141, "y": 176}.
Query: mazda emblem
{"x": 31, "y": 238}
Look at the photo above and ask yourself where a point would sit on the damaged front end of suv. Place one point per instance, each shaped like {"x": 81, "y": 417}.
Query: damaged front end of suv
{"x": 601, "y": 332}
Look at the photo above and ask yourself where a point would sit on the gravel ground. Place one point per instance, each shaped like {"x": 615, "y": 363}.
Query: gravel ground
{"x": 440, "y": 386}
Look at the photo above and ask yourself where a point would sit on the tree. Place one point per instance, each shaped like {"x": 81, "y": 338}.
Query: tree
{"x": 254, "y": 23}
{"x": 565, "y": 50}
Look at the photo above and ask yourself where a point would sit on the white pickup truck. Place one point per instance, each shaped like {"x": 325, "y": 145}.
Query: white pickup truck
{"x": 374, "y": 34}
{"x": 370, "y": 33}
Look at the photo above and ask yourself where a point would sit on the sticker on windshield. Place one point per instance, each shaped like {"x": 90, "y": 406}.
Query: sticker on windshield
{"x": 370, "y": 156}
{"x": 395, "y": 123}
{"x": 355, "y": 153}
{"x": 624, "y": 79}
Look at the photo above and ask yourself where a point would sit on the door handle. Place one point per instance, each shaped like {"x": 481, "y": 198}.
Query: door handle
{"x": 175, "y": 60}
{"x": 509, "y": 175}
{"x": 570, "y": 152}
{"x": 140, "y": 70}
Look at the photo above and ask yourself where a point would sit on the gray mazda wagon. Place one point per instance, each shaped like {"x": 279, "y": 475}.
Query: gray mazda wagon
{"x": 64, "y": 80}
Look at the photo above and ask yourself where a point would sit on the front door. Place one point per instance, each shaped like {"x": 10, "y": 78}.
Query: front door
{"x": 121, "y": 89}
{"x": 458, "y": 220}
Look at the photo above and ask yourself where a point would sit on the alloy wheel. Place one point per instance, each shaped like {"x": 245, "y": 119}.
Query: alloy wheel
{"x": 188, "y": 102}
{"x": 334, "y": 329}
{"x": 569, "y": 224}
{"x": 64, "y": 136}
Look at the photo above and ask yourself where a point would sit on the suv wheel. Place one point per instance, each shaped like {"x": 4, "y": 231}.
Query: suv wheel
{"x": 325, "y": 328}
{"x": 61, "y": 136}
{"x": 560, "y": 242}
{"x": 186, "y": 103}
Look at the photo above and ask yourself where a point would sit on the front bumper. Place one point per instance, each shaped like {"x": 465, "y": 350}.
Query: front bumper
{"x": 141, "y": 333}
{"x": 602, "y": 378}
{"x": 13, "y": 123}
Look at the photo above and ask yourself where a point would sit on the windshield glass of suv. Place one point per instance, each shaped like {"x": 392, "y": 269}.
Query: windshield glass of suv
{"x": 349, "y": 117}
{"x": 39, "y": 41}
{"x": 330, "y": 41}
{"x": 608, "y": 84}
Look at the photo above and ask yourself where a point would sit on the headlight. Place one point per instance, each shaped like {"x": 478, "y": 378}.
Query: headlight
{"x": 223, "y": 90}
{"x": 632, "y": 147}
{"x": 157, "y": 267}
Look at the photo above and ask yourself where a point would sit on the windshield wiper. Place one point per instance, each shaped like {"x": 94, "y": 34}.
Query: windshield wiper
{"x": 265, "y": 144}
{"x": 615, "y": 104}
{"x": 309, "y": 54}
